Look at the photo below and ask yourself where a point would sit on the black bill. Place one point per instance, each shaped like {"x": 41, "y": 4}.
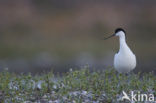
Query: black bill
{"x": 109, "y": 37}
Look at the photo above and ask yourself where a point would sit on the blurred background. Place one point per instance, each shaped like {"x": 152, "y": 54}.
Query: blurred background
{"x": 40, "y": 35}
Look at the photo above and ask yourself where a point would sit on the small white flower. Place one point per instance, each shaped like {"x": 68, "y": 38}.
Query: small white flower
{"x": 74, "y": 101}
{"x": 45, "y": 96}
{"x": 65, "y": 98}
{"x": 39, "y": 85}
{"x": 56, "y": 101}
{"x": 84, "y": 92}
{"x": 50, "y": 101}
{"x": 75, "y": 93}
{"x": 54, "y": 87}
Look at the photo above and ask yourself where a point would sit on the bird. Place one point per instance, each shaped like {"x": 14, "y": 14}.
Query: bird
{"x": 125, "y": 59}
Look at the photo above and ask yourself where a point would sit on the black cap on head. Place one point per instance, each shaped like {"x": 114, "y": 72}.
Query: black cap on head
{"x": 120, "y": 29}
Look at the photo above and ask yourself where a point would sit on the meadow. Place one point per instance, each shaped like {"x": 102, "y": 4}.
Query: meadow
{"x": 75, "y": 86}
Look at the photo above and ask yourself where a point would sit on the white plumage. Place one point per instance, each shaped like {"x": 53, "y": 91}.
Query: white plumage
{"x": 124, "y": 60}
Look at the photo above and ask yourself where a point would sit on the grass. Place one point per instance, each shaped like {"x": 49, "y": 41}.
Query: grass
{"x": 73, "y": 87}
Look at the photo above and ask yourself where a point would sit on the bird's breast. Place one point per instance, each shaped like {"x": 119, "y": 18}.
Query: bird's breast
{"x": 124, "y": 61}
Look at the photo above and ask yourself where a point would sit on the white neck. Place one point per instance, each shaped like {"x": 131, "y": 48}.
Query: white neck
{"x": 123, "y": 44}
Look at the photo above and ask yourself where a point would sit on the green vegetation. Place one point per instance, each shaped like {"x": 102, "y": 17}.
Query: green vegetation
{"x": 76, "y": 86}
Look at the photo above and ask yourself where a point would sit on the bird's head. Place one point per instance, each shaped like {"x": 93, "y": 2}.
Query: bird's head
{"x": 118, "y": 32}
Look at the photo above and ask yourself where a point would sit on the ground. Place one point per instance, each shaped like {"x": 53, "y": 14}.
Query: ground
{"x": 75, "y": 86}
